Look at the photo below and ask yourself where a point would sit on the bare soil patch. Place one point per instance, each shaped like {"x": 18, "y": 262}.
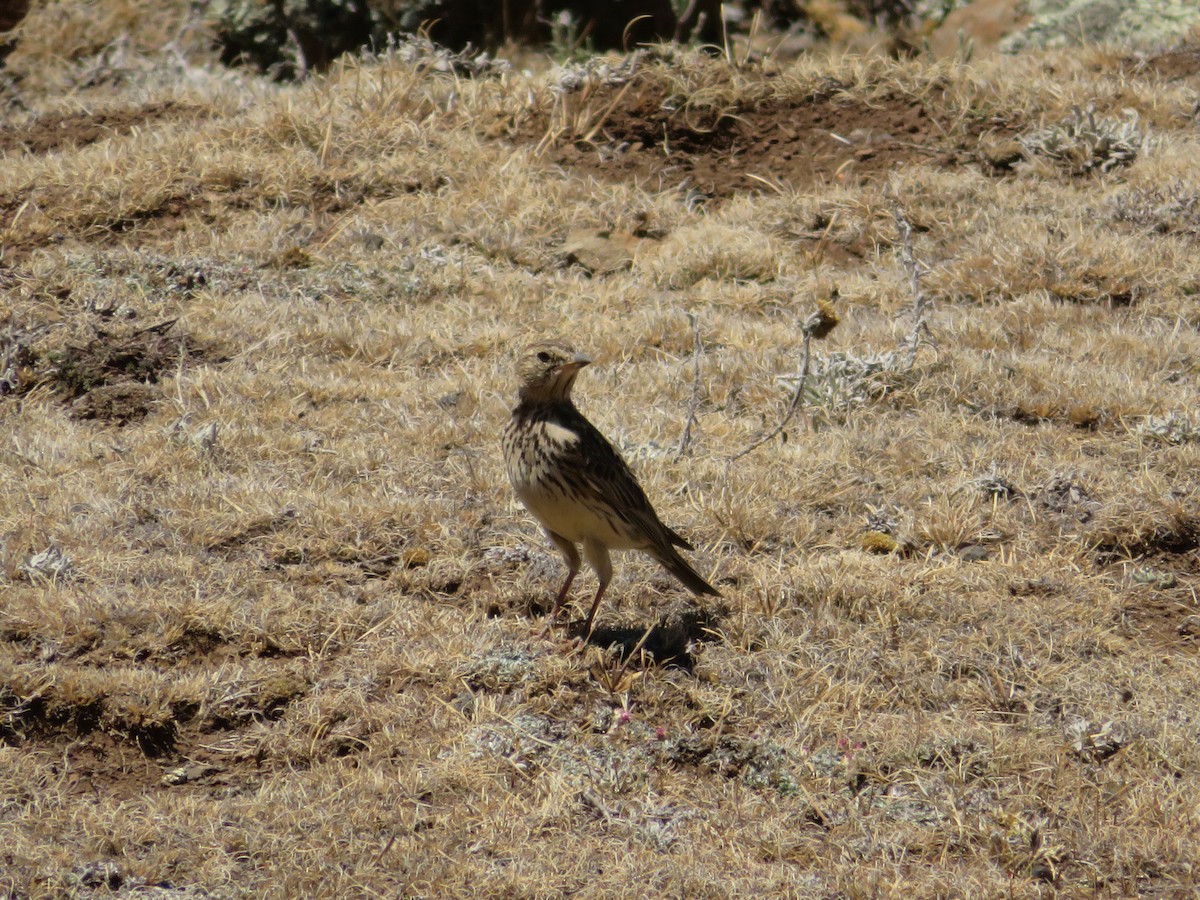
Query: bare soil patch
{"x": 112, "y": 377}
{"x": 103, "y": 755}
{"x": 1162, "y": 572}
{"x": 1174, "y": 65}
{"x": 116, "y": 743}
{"x": 56, "y": 132}
{"x": 819, "y": 140}
{"x": 1164, "y": 619}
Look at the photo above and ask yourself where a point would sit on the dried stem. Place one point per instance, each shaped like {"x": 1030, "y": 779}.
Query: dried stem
{"x": 685, "y": 441}
{"x": 810, "y": 325}
{"x": 920, "y": 328}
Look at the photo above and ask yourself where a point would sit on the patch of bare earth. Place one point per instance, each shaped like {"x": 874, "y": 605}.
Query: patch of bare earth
{"x": 1162, "y": 571}
{"x": 1170, "y": 66}
{"x": 122, "y": 744}
{"x": 825, "y": 139}
{"x": 50, "y": 133}
{"x": 113, "y": 376}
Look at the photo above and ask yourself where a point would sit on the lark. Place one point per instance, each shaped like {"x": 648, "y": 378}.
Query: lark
{"x": 576, "y": 484}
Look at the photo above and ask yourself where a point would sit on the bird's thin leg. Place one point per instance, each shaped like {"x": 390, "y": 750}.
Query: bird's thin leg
{"x": 598, "y": 558}
{"x": 558, "y": 602}
{"x": 571, "y": 558}
{"x": 587, "y": 626}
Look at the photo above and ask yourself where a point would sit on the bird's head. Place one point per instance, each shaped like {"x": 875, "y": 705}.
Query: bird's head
{"x": 547, "y": 371}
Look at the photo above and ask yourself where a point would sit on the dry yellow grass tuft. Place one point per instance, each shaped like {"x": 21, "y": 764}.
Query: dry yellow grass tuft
{"x": 269, "y": 605}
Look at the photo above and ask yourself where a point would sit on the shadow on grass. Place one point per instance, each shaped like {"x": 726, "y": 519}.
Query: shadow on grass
{"x": 669, "y": 641}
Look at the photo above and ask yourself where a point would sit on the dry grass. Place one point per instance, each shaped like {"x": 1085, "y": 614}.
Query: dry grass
{"x": 270, "y": 609}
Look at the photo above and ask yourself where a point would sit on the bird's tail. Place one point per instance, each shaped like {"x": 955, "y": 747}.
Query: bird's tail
{"x": 670, "y": 560}
{"x": 677, "y": 539}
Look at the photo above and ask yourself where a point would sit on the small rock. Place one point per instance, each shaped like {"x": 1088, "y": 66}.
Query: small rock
{"x": 189, "y": 773}
{"x": 1095, "y": 744}
{"x": 973, "y": 553}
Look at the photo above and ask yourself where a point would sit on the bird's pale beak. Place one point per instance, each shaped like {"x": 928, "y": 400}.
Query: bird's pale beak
{"x": 578, "y": 361}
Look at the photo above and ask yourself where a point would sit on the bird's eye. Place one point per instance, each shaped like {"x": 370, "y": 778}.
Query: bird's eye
{"x": 543, "y": 356}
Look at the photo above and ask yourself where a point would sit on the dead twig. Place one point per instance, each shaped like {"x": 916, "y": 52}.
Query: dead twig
{"x": 685, "y": 440}
{"x": 920, "y": 330}
{"x": 817, "y": 325}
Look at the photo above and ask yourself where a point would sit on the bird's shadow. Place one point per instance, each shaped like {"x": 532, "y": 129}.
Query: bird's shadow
{"x": 669, "y": 641}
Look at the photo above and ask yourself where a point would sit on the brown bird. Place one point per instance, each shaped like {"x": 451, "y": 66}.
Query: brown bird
{"x": 575, "y": 482}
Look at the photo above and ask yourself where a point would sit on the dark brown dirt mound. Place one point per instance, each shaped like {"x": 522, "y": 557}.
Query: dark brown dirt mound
{"x": 53, "y": 132}
{"x": 1174, "y": 65}
{"x": 787, "y": 144}
{"x": 112, "y": 377}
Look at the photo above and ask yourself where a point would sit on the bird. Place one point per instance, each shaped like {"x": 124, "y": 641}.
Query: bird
{"x": 576, "y": 484}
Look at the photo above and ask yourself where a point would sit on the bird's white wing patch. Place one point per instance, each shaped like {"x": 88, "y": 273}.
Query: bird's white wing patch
{"x": 563, "y": 437}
